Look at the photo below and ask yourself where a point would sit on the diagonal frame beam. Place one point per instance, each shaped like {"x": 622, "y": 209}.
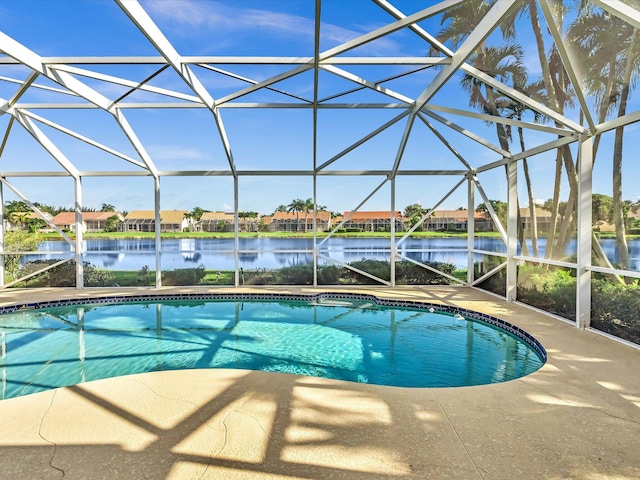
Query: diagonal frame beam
{"x": 150, "y": 30}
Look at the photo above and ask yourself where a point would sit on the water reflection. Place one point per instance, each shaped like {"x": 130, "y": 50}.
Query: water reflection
{"x": 218, "y": 253}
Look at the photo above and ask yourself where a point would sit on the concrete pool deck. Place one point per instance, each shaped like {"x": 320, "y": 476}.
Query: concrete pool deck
{"x": 578, "y": 417}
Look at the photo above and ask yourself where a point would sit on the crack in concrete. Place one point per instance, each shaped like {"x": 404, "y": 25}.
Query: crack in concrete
{"x": 457, "y": 435}
{"x": 55, "y": 445}
{"x": 202, "y": 418}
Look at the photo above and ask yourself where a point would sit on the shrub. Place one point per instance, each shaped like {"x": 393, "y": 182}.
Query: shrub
{"x": 64, "y": 275}
{"x": 496, "y": 283}
{"x": 548, "y": 288}
{"x": 184, "y": 276}
{"x": 295, "y": 275}
{"x": 408, "y": 273}
{"x": 329, "y": 274}
{"x": 377, "y": 268}
{"x": 615, "y": 308}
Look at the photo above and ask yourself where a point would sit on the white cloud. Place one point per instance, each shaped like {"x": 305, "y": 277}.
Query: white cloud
{"x": 189, "y": 14}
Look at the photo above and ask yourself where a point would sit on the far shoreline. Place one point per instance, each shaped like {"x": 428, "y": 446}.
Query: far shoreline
{"x": 194, "y": 235}
{"x": 222, "y": 235}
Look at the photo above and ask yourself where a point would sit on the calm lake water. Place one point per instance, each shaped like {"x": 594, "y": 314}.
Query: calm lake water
{"x": 269, "y": 253}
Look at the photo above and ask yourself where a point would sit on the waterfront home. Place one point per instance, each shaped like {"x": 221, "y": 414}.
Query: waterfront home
{"x": 91, "y": 221}
{"x": 299, "y": 222}
{"x": 144, "y": 221}
{"x": 543, "y": 218}
{"x": 457, "y": 220}
{"x": 20, "y": 220}
{"x": 375, "y": 221}
{"x": 225, "y": 222}
{"x": 215, "y": 222}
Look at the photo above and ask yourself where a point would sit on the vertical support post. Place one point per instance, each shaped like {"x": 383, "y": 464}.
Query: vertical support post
{"x": 158, "y": 220}
{"x": 512, "y": 229}
{"x": 470, "y": 227}
{"x": 316, "y": 70}
{"x": 3, "y": 369}
{"x": 78, "y": 211}
{"x": 315, "y": 225}
{"x": 2, "y": 281}
{"x": 393, "y": 231}
{"x": 583, "y": 284}
{"x": 236, "y": 235}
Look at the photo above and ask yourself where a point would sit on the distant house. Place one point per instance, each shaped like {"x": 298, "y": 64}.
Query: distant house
{"x": 215, "y": 222}
{"x": 19, "y": 220}
{"x": 91, "y": 221}
{"x": 300, "y": 222}
{"x": 457, "y": 220}
{"x": 224, "y": 222}
{"x": 543, "y": 219}
{"x": 375, "y": 221}
{"x": 145, "y": 221}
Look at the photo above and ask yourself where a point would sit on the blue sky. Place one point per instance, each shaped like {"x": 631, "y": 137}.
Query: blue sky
{"x": 262, "y": 139}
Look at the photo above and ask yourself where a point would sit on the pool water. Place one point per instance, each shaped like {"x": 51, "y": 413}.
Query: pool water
{"x": 356, "y": 341}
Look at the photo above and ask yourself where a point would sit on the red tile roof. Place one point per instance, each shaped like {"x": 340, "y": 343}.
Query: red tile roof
{"x": 67, "y": 218}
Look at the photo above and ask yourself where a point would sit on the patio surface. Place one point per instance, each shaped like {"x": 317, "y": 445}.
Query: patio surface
{"x": 578, "y": 417}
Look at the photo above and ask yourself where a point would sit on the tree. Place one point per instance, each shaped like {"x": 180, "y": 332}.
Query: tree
{"x": 17, "y": 241}
{"x": 503, "y": 62}
{"x": 281, "y": 208}
{"x": 297, "y": 205}
{"x": 613, "y": 45}
{"x": 111, "y": 225}
{"x": 196, "y": 213}
{"x": 414, "y": 213}
{"x": 34, "y": 224}
{"x": 107, "y": 207}
{"x": 602, "y": 208}
{"x": 516, "y": 110}
{"x": 308, "y": 207}
{"x": 15, "y": 206}
{"x": 499, "y": 207}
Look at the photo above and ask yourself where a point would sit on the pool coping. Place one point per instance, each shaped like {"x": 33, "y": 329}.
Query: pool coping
{"x": 576, "y": 417}
{"x": 433, "y": 307}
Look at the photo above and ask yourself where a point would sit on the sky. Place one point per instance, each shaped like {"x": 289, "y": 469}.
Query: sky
{"x": 261, "y": 140}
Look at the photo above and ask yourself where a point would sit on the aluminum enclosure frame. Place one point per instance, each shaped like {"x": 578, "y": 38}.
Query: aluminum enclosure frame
{"x": 67, "y": 73}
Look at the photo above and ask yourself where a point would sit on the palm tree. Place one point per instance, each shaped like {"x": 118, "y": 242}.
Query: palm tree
{"x": 612, "y": 44}
{"x": 558, "y": 95}
{"x": 297, "y": 205}
{"x": 308, "y": 207}
{"x": 107, "y": 207}
{"x": 15, "y": 206}
{"x": 516, "y": 110}
{"x": 502, "y": 62}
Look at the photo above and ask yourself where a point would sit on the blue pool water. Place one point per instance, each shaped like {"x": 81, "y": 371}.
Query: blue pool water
{"x": 354, "y": 340}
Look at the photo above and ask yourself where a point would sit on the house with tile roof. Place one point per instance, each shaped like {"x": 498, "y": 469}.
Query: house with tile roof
{"x": 91, "y": 221}
{"x": 374, "y": 221}
{"x": 225, "y": 222}
{"x": 145, "y": 221}
{"x": 456, "y": 220}
{"x": 299, "y": 222}
{"x": 19, "y": 220}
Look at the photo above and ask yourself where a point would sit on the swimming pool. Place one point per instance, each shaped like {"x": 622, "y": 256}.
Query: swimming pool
{"x": 357, "y": 338}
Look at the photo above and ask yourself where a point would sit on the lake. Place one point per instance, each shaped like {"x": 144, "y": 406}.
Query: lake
{"x": 270, "y": 253}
